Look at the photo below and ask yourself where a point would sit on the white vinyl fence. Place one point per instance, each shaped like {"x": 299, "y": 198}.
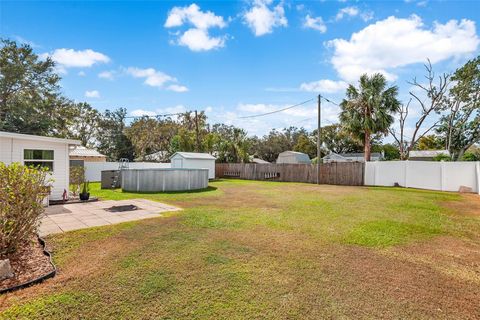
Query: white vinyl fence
{"x": 93, "y": 170}
{"x": 432, "y": 175}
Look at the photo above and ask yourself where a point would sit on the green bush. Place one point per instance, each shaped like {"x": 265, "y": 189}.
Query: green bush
{"x": 21, "y": 193}
{"x": 77, "y": 177}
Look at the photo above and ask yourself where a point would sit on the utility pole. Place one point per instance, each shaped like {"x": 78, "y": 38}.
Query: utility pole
{"x": 319, "y": 135}
{"x": 197, "y": 144}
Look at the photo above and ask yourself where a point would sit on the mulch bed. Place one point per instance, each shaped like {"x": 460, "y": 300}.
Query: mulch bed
{"x": 29, "y": 263}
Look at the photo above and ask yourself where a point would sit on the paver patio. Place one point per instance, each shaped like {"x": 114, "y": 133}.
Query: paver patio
{"x": 67, "y": 217}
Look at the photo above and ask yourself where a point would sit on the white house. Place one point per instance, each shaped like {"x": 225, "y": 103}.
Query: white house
{"x": 351, "y": 157}
{"x": 426, "y": 155}
{"x": 293, "y": 157}
{"x": 194, "y": 160}
{"x": 43, "y": 151}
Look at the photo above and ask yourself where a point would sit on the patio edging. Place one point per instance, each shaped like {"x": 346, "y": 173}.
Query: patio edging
{"x": 40, "y": 279}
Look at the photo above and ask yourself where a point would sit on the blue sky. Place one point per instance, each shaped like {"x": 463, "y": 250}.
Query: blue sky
{"x": 235, "y": 59}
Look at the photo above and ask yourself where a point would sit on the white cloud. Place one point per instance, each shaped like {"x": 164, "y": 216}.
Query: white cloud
{"x": 193, "y": 15}
{"x": 142, "y": 112}
{"x": 347, "y": 11}
{"x": 262, "y": 19}
{"x": 199, "y": 40}
{"x": 177, "y": 88}
{"x": 92, "y": 94}
{"x": 159, "y": 111}
{"x": 353, "y": 12}
{"x": 154, "y": 78}
{"x": 324, "y": 86}
{"x": 70, "y": 58}
{"x": 396, "y": 42}
{"x": 82, "y": 74}
{"x": 198, "y": 37}
{"x": 315, "y": 23}
{"x": 109, "y": 75}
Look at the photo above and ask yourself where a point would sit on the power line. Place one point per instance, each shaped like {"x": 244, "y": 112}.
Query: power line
{"x": 332, "y": 102}
{"x": 276, "y": 111}
{"x": 158, "y": 115}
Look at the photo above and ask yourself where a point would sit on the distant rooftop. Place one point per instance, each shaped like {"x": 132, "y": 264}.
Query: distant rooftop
{"x": 194, "y": 155}
{"x": 81, "y": 151}
{"x": 427, "y": 153}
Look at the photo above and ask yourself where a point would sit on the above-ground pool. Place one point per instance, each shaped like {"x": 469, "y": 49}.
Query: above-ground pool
{"x": 159, "y": 180}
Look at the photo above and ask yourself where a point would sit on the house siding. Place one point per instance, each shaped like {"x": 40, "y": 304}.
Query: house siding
{"x": 11, "y": 150}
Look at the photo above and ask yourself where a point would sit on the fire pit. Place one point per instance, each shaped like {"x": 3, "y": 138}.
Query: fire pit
{"x": 124, "y": 208}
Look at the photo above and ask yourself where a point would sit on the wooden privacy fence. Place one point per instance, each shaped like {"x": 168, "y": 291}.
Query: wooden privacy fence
{"x": 340, "y": 173}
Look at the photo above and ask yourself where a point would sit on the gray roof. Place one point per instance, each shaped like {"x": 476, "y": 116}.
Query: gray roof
{"x": 360, "y": 155}
{"x": 194, "y": 155}
{"x": 85, "y": 152}
{"x": 22, "y": 136}
{"x": 258, "y": 160}
{"x": 427, "y": 153}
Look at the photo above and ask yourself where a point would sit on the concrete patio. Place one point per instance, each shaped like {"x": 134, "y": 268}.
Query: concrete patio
{"x": 68, "y": 217}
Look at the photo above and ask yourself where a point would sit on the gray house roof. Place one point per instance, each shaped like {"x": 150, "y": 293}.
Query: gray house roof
{"x": 85, "y": 152}
{"x": 194, "y": 155}
{"x": 427, "y": 153}
{"x": 293, "y": 157}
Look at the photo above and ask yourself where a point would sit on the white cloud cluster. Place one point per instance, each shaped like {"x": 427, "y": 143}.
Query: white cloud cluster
{"x": 396, "y": 42}
{"x": 262, "y": 19}
{"x": 315, "y": 23}
{"x": 324, "y": 86}
{"x": 109, "y": 75}
{"x": 168, "y": 110}
{"x": 92, "y": 94}
{"x": 196, "y": 38}
{"x": 70, "y": 58}
{"x": 353, "y": 12}
{"x": 154, "y": 78}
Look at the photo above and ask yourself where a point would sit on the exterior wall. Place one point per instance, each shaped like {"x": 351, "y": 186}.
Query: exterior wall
{"x": 89, "y": 159}
{"x": 195, "y": 164}
{"x": 443, "y": 176}
{"x": 11, "y": 150}
{"x": 93, "y": 170}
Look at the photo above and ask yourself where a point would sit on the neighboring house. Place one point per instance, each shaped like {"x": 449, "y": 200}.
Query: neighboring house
{"x": 194, "y": 160}
{"x": 293, "y": 157}
{"x": 42, "y": 151}
{"x": 258, "y": 160}
{"x": 80, "y": 155}
{"x": 351, "y": 157}
{"x": 426, "y": 155}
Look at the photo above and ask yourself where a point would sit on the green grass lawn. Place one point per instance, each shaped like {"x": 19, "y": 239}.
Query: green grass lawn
{"x": 268, "y": 250}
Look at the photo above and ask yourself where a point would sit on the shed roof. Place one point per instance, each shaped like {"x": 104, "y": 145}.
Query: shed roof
{"x": 194, "y": 155}
{"x": 22, "y": 136}
{"x": 81, "y": 151}
{"x": 427, "y": 153}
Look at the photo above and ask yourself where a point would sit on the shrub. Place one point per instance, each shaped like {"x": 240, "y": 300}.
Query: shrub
{"x": 77, "y": 177}
{"x": 21, "y": 193}
{"x": 442, "y": 157}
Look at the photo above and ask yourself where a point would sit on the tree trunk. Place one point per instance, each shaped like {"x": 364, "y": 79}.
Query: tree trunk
{"x": 367, "y": 146}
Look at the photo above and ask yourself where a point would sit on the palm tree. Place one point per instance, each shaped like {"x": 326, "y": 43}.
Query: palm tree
{"x": 368, "y": 109}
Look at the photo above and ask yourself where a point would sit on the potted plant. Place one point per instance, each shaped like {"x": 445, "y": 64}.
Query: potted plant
{"x": 85, "y": 195}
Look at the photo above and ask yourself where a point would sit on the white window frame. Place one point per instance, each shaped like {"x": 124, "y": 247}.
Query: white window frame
{"x": 40, "y": 160}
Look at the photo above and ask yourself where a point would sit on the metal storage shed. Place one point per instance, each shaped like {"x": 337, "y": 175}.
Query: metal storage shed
{"x": 293, "y": 157}
{"x": 194, "y": 160}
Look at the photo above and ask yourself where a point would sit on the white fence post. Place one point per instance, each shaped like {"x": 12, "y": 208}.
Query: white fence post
{"x": 442, "y": 175}
{"x": 406, "y": 173}
{"x": 477, "y": 166}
